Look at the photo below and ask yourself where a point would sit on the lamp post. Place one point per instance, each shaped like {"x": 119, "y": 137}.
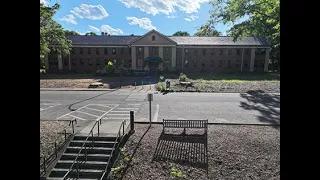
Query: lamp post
{"x": 119, "y": 69}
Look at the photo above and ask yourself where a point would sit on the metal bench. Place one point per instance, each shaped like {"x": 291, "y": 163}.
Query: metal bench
{"x": 185, "y": 124}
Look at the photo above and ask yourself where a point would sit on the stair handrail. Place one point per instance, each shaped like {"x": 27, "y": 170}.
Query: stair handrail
{"x": 64, "y": 131}
{"x": 123, "y": 123}
{"x": 83, "y": 146}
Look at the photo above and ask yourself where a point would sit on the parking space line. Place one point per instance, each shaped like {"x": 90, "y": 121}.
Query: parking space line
{"x": 87, "y": 113}
{"x": 95, "y": 109}
{"x": 129, "y": 108}
{"x": 115, "y": 118}
{"x": 104, "y": 105}
{"x": 119, "y": 114}
{"x": 76, "y": 117}
{"x": 121, "y": 111}
{"x": 134, "y": 104}
{"x": 50, "y": 106}
{"x": 72, "y": 112}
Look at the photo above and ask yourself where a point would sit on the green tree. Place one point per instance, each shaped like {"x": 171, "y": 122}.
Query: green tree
{"x": 264, "y": 20}
{"x": 181, "y": 33}
{"x": 207, "y": 30}
{"x": 90, "y": 34}
{"x": 51, "y": 33}
{"x": 71, "y": 33}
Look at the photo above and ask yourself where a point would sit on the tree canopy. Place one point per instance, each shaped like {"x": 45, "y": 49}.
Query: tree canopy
{"x": 207, "y": 30}
{"x": 90, "y": 34}
{"x": 181, "y": 33}
{"x": 51, "y": 33}
{"x": 72, "y": 33}
{"x": 263, "y": 20}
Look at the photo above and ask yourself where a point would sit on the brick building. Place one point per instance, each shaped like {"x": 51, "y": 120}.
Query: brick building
{"x": 154, "y": 51}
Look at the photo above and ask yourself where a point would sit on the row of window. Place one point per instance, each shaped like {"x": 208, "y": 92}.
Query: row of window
{"x": 229, "y": 52}
{"x": 54, "y": 61}
{"x": 229, "y": 63}
{"x": 97, "y": 51}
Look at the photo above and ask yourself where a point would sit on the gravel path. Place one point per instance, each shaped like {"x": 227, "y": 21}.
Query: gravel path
{"x": 234, "y": 152}
{"x": 221, "y": 86}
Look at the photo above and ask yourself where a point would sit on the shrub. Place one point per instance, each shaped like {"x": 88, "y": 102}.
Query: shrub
{"x": 176, "y": 173}
{"x": 159, "y": 87}
{"x": 110, "y": 69}
{"x": 183, "y": 77}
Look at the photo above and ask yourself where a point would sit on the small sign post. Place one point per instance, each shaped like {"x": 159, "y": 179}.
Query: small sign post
{"x": 150, "y": 98}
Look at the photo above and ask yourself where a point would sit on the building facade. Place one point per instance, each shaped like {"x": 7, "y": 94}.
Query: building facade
{"x": 154, "y": 51}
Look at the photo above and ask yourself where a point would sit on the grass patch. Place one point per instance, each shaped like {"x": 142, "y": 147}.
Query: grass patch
{"x": 42, "y": 71}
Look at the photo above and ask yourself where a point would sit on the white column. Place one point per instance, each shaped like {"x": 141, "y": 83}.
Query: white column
{"x": 173, "y": 58}
{"x": 161, "y": 55}
{"x": 60, "y": 62}
{"x": 253, "y": 53}
{"x": 146, "y": 52}
{"x": 266, "y": 62}
{"x": 133, "y": 58}
{"x": 46, "y": 61}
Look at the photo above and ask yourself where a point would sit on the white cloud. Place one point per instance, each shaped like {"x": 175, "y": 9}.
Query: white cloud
{"x": 93, "y": 12}
{"x": 69, "y": 19}
{"x": 44, "y": 2}
{"x": 191, "y": 18}
{"x": 171, "y": 16}
{"x": 164, "y": 6}
{"x": 92, "y": 28}
{"x": 80, "y": 33}
{"x": 110, "y": 30}
{"x": 144, "y": 23}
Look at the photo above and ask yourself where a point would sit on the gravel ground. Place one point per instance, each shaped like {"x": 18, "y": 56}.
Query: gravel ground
{"x": 234, "y": 152}
{"x": 69, "y": 83}
{"x": 49, "y": 130}
{"x": 220, "y": 86}
{"x": 48, "y": 134}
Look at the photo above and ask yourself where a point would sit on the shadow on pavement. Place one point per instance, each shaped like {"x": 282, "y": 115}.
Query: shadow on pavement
{"x": 267, "y": 104}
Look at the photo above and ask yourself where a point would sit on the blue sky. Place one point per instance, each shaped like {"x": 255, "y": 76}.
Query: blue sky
{"x": 125, "y": 17}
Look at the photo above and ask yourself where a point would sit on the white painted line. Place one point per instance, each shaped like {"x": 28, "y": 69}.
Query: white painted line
{"x": 101, "y": 105}
{"x": 134, "y": 104}
{"x": 155, "y": 117}
{"x": 49, "y": 107}
{"x": 115, "y": 118}
{"x": 119, "y": 114}
{"x": 72, "y": 112}
{"x": 129, "y": 108}
{"x": 107, "y": 112}
{"x": 95, "y": 109}
{"x": 86, "y": 113}
{"x": 76, "y": 117}
{"x": 104, "y": 104}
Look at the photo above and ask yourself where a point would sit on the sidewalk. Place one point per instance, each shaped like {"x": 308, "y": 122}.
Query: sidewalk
{"x": 76, "y": 89}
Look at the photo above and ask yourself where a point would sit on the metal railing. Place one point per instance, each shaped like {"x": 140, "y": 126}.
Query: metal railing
{"x": 85, "y": 150}
{"x": 122, "y": 126}
{"x": 46, "y": 161}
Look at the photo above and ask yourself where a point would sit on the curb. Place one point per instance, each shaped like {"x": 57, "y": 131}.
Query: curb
{"x": 216, "y": 123}
{"x": 76, "y": 89}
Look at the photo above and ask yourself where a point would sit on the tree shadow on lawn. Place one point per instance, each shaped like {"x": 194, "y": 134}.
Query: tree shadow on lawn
{"x": 267, "y": 104}
{"x": 184, "y": 149}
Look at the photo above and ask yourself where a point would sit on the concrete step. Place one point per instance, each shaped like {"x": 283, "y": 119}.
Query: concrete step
{"x": 79, "y": 143}
{"x": 83, "y": 173}
{"x": 66, "y": 164}
{"x": 90, "y": 150}
{"x": 95, "y": 138}
{"x": 81, "y": 157}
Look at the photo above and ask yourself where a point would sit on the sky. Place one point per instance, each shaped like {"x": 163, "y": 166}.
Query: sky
{"x": 126, "y": 17}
